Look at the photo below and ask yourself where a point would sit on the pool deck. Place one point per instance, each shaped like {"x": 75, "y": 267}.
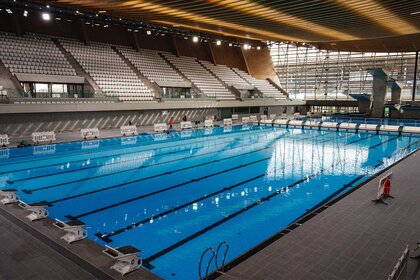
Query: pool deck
{"x": 352, "y": 239}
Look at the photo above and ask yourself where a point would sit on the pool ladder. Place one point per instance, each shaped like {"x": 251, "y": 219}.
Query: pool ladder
{"x": 214, "y": 255}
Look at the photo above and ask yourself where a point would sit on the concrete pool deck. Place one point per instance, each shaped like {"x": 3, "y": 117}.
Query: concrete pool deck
{"x": 352, "y": 239}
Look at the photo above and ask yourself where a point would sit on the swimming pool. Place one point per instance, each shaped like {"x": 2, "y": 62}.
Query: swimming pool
{"x": 172, "y": 196}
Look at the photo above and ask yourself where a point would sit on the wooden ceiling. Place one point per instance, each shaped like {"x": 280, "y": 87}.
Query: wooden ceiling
{"x": 358, "y": 24}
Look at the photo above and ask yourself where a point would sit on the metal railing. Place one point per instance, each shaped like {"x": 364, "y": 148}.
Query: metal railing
{"x": 214, "y": 256}
{"x": 400, "y": 269}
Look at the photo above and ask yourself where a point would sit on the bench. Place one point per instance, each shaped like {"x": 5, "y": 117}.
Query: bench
{"x": 8, "y": 196}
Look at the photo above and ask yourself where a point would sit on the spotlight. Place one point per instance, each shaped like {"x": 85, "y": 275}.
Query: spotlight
{"x": 25, "y": 13}
{"x": 218, "y": 42}
{"x": 258, "y": 48}
{"x": 230, "y": 44}
{"x": 148, "y": 32}
{"x": 9, "y": 11}
{"x": 195, "y": 39}
{"x": 46, "y": 16}
{"x": 48, "y": 6}
{"x": 247, "y": 47}
{"x": 106, "y": 25}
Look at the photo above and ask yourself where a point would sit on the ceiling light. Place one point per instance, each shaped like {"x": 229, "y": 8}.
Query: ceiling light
{"x": 25, "y": 13}
{"x": 218, "y": 42}
{"x": 46, "y": 16}
{"x": 148, "y": 32}
{"x": 9, "y": 11}
{"x": 57, "y": 18}
{"x": 101, "y": 12}
{"x": 258, "y": 48}
{"x": 106, "y": 25}
{"x": 230, "y": 44}
{"x": 195, "y": 39}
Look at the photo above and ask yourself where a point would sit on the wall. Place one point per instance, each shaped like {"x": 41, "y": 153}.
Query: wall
{"x": 200, "y": 50}
{"x": 230, "y": 56}
{"x": 24, "y": 124}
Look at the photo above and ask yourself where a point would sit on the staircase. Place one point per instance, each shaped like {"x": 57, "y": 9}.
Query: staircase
{"x": 10, "y": 83}
{"x": 79, "y": 69}
{"x": 157, "y": 91}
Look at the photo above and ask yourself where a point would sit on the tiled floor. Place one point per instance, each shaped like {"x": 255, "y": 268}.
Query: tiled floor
{"x": 353, "y": 239}
{"x": 25, "y": 257}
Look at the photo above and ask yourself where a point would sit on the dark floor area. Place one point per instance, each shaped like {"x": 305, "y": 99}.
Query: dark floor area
{"x": 24, "y": 257}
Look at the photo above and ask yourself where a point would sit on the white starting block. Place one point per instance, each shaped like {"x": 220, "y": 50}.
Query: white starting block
{"x": 74, "y": 229}
{"x": 4, "y": 140}
{"x": 263, "y": 117}
{"x": 45, "y": 136}
{"x": 253, "y": 119}
{"x": 227, "y": 122}
{"x": 89, "y": 133}
{"x": 128, "y": 130}
{"x": 38, "y": 210}
{"x": 273, "y": 116}
{"x": 8, "y": 196}
{"x": 186, "y": 125}
{"x": 245, "y": 120}
{"x": 235, "y": 117}
{"x": 208, "y": 123}
{"x": 160, "y": 127}
{"x": 126, "y": 257}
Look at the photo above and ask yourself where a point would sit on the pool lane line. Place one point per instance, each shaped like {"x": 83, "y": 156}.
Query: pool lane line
{"x": 227, "y": 218}
{"x": 361, "y": 139}
{"x": 174, "y": 138}
{"x": 70, "y": 217}
{"x": 208, "y": 228}
{"x": 77, "y": 217}
{"x": 96, "y": 158}
{"x": 380, "y": 144}
{"x": 50, "y": 203}
{"x": 29, "y": 191}
{"x": 121, "y": 161}
{"x": 107, "y": 237}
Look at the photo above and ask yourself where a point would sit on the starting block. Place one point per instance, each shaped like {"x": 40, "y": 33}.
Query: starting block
{"x": 38, "y": 210}
{"x": 74, "y": 229}
{"x": 126, "y": 257}
{"x": 8, "y": 196}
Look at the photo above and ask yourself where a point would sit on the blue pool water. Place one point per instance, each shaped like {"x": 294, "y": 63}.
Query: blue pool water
{"x": 173, "y": 196}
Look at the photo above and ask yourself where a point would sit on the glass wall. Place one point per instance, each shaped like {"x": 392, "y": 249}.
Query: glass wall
{"x": 308, "y": 73}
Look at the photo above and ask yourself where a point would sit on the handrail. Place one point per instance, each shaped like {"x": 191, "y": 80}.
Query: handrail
{"x": 208, "y": 263}
{"x": 401, "y": 266}
{"x": 222, "y": 267}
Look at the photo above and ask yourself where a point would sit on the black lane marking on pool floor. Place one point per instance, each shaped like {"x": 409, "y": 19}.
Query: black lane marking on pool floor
{"x": 122, "y": 161}
{"x": 155, "y": 176}
{"x": 70, "y": 217}
{"x": 107, "y": 237}
{"x": 227, "y": 218}
{"x": 77, "y": 217}
{"x": 29, "y": 191}
{"x": 380, "y": 144}
{"x": 204, "y": 230}
{"x": 207, "y": 137}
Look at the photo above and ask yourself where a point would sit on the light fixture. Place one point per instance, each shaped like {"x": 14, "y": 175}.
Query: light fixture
{"x": 48, "y": 6}
{"x": 101, "y": 12}
{"x": 258, "y": 48}
{"x": 230, "y": 44}
{"x": 46, "y": 16}
{"x": 106, "y": 25}
{"x": 195, "y": 39}
{"x": 25, "y": 13}
{"x": 247, "y": 47}
{"x": 148, "y": 32}
{"x": 57, "y": 18}
{"x": 218, "y": 42}
{"x": 9, "y": 11}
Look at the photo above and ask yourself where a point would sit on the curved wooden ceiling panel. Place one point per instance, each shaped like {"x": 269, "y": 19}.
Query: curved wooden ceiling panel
{"x": 279, "y": 20}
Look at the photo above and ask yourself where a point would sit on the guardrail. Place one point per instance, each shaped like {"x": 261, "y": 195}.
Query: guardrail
{"x": 400, "y": 269}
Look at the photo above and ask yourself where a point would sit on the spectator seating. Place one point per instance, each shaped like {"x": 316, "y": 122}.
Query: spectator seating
{"x": 33, "y": 54}
{"x": 151, "y": 65}
{"x": 113, "y": 76}
{"x": 201, "y": 77}
{"x": 224, "y": 73}
{"x": 264, "y": 86}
